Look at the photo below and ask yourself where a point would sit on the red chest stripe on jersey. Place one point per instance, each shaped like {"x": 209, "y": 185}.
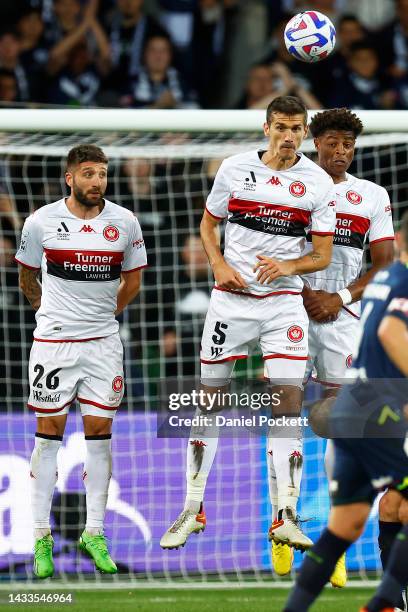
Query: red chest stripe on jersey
{"x": 80, "y": 265}
{"x": 79, "y": 256}
{"x": 272, "y": 219}
{"x": 350, "y": 230}
{"x": 355, "y": 223}
{"x": 264, "y": 209}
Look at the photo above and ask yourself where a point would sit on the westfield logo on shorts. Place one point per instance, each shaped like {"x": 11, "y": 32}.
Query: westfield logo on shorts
{"x": 297, "y": 189}
{"x": 117, "y": 384}
{"x": 295, "y": 333}
{"x": 111, "y": 233}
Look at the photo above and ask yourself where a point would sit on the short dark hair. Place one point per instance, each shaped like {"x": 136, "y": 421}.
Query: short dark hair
{"x": 403, "y": 228}
{"x": 341, "y": 119}
{"x": 85, "y": 152}
{"x": 289, "y": 105}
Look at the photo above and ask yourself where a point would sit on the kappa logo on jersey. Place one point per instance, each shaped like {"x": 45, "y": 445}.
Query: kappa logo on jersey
{"x": 117, "y": 384}
{"x": 111, "y": 233}
{"x": 354, "y": 197}
{"x": 297, "y": 189}
{"x": 295, "y": 333}
{"x": 349, "y": 361}
{"x": 274, "y": 180}
{"x": 88, "y": 229}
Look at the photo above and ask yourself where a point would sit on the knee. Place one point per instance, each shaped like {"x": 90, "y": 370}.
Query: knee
{"x": 97, "y": 426}
{"x": 403, "y": 512}
{"x": 319, "y": 417}
{"x": 388, "y": 508}
{"x": 51, "y": 426}
{"x": 348, "y": 522}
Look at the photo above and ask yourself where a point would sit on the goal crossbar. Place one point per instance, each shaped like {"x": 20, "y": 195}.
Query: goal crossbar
{"x": 191, "y": 120}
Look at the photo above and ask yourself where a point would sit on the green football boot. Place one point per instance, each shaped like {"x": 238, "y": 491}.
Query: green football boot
{"x": 43, "y": 561}
{"x": 95, "y": 546}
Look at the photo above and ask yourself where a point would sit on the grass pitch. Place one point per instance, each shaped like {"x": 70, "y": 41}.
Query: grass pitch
{"x": 205, "y": 600}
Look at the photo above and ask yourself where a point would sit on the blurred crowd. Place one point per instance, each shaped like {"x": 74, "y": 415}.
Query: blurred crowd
{"x": 198, "y": 54}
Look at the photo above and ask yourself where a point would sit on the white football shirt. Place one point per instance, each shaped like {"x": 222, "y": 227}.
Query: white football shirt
{"x": 81, "y": 261}
{"x": 363, "y": 210}
{"x": 269, "y": 212}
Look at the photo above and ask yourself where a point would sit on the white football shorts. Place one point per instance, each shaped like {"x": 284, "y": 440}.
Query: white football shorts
{"x": 331, "y": 349}
{"x": 235, "y": 323}
{"x": 90, "y": 372}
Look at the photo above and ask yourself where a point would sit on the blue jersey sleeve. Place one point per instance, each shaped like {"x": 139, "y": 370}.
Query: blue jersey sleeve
{"x": 398, "y": 307}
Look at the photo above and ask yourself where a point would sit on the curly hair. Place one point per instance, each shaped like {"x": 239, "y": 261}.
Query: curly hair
{"x": 335, "y": 119}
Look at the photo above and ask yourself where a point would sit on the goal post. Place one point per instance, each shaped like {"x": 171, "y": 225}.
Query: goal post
{"x": 161, "y": 166}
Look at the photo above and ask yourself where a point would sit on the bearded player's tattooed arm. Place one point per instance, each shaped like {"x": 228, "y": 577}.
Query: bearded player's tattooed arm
{"x": 30, "y": 286}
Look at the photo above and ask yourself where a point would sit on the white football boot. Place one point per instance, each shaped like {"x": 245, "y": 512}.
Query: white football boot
{"x": 286, "y": 530}
{"x": 186, "y": 523}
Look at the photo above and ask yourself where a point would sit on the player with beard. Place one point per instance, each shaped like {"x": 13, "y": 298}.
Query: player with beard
{"x": 90, "y": 253}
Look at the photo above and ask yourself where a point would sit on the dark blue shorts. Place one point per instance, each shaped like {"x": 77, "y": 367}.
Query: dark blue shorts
{"x": 369, "y": 431}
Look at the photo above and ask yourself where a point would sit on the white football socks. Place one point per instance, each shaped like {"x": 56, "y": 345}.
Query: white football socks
{"x": 288, "y": 464}
{"x": 201, "y": 451}
{"x": 272, "y": 482}
{"x": 96, "y": 477}
{"x": 43, "y": 476}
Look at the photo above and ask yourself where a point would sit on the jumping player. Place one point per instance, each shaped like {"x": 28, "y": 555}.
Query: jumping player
{"x": 90, "y": 253}
{"x": 374, "y": 408}
{"x": 270, "y": 198}
{"x": 332, "y": 296}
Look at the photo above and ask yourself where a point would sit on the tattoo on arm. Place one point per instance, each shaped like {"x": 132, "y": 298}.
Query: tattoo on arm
{"x": 30, "y": 286}
{"x": 315, "y": 257}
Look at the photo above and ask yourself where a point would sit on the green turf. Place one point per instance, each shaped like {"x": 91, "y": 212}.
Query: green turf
{"x": 208, "y": 600}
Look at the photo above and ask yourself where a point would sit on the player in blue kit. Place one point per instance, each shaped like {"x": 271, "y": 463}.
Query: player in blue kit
{"x": 369, "y": 424}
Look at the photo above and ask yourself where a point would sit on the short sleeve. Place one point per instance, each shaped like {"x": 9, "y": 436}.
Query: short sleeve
{"x": 398, "y": 307}
{"x": 324, "y": 210}
{"x": 381, "y": 227}
{"x": 31, "y": 248}
{"x": 135, "y": 253}
{"x": 218, "y": 198}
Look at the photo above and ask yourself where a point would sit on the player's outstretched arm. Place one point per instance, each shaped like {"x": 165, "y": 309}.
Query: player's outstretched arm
{"x": 128, "y": 289}
{"x": 225, "y": 276}
{"x": 393, "y": 335}
{"x": 319, "y": 258}
{"x": 30, "y": 286}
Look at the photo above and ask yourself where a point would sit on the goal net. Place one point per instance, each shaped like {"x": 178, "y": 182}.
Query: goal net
{"x": 164, "y": 177}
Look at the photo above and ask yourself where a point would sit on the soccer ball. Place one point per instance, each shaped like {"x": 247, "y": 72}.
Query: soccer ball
{"x": 310, "y": 36}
